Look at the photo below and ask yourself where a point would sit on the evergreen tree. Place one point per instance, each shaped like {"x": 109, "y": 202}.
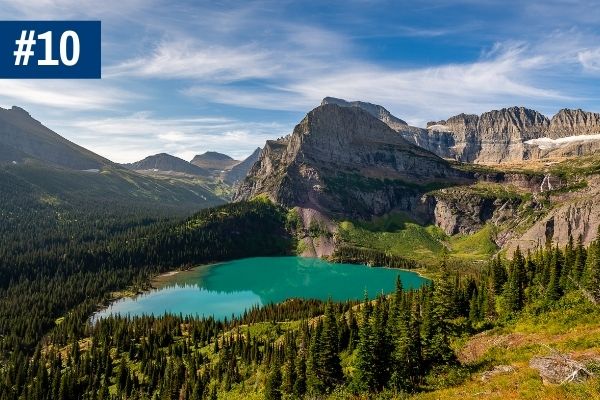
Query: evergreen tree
{"x": 273, "y": 384}
{"x": 407, "y": 357}
{"x": 592, "y": 268}
{"x": 579, "y": 262}
{"x": 364, "y": 379}
{"x": 554, "y": 290}
{"x": 515, "y": 290}
{"x": 300, "y": 383}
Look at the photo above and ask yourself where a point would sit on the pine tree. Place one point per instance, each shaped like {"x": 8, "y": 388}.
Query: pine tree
{"x": 315, "y": 362}
{"x": 579, "y": 262}
{"x": 407, "y": 357}
{"x": 592, "y": 268}
{"x": 364, "y": 379}
{"x": 554, "y": 290}
{"x": 300, "y": 383}
{"x": 273, "y": 384}
{"x": 515, "y": 289}
{"x": 382, "y": 344}
{"x": 331, "y": 373}
{"x": 499, "y": 276}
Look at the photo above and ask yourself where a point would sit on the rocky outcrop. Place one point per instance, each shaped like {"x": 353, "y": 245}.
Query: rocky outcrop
{"x": 343, "y": 161}
{"x": 375, "y": 110}
{"x": 575, "y": 215}
{"x": 572, "y": 123}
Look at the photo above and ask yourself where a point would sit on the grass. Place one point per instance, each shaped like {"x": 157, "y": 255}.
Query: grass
{"x": 397, "y": 235}
{"x": 573, "y": 327}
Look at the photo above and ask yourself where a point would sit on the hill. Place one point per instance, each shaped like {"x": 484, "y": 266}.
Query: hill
{"x": 167, "y": 163}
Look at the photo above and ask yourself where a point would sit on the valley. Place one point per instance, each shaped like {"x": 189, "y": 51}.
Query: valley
{"x": 269, "y": 302}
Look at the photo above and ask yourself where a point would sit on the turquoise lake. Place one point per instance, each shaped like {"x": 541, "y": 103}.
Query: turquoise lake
{"x": 228, "y": 288}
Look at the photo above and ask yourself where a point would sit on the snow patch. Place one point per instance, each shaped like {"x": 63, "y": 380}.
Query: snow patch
{"x": 548, "y": 143}
{"x": 439, "y": 128}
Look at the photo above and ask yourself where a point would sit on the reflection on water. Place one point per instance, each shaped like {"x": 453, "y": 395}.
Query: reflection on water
{"x": 224, "y": 289}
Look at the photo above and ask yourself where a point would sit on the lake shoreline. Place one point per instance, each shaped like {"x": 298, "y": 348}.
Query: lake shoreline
{"x": 158, "y": 281}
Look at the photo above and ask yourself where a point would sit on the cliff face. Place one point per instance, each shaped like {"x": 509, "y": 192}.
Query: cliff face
{"x": 512, "y": 134}
{"x": 239, "y": 171}
{"x": 344, "y": 161}
{"x": 573, "y": 122}
{"x": 576, "y": 214}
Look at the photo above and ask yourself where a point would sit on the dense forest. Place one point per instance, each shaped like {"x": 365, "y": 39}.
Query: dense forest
{"x": 298, "y": 349}
{"x": 60, "y": 261}
{"x": 68, "y": 264}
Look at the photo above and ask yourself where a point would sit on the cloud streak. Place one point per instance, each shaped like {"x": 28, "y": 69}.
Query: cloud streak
{"x": 133, "y": 137}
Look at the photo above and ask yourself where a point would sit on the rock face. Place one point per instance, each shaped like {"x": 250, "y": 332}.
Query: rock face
{"x": 344, "y": 161}
{"x": 167, "y": 163}
{"x": 577, "y": 215}
{"x": 23, "y": 138}
{"x": 239, "y": 171}
{"x": 511, "y": 134}
{"x": 217, "y": 162}
{"x": 375, "y": 110}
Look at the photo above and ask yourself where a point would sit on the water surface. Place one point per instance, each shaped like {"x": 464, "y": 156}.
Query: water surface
{"x": 228, "y": 288}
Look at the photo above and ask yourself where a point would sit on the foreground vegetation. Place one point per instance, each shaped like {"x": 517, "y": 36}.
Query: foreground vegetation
{"x": 61, "y": 261}
{"x": 409, "y": 344}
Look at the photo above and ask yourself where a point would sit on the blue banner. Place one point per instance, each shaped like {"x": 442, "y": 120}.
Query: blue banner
{"x": 50, "y": 49}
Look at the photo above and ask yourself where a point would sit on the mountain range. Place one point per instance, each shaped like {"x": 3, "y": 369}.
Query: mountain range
{"x": 356, "y": 161}
{"x": 502, "y": 173}
{"x": 512, "y": 134}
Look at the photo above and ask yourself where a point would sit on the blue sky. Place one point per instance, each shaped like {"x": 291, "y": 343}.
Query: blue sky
{"x": 187, "y": 77}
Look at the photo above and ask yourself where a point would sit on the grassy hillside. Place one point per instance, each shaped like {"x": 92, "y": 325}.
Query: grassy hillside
{"x": 571, "y": 327}
{"x": 398, "y": 235}
{"x": 115, "y": 186}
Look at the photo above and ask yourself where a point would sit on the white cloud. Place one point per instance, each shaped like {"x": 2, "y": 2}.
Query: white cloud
{"x": 418, "y": 95}
{"x": 187, "y": 59}
{"x": 72, "y": 95}
{"x": 133, "y": 137}
{"x": 590, "y": 59}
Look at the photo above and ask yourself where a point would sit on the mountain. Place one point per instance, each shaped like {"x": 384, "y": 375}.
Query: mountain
{"x": 344, "y": 161}
{"x": 214, "y": 161}
{"x": 239, "y": 171}
{"x": 375, "y": 110}
{"x": 58, "y": 173}
{"x": 512, "y": 134}
{"x": 164, "y": 162}
{"x": 24, "y": 138}
{"x": 516, "y": 134}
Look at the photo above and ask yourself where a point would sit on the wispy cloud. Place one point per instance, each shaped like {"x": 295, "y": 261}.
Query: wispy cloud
{"x": 590, "y": 60}
{"x": 502, "y": 77}
{"x": 185, "y": 59}
{"x": 70, "y": 95}
{"x": 133, "y": 137}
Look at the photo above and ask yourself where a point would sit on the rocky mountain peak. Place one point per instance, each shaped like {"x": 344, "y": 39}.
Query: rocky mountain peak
{"x": 344, "y": 160}
{"x": 375, "y": 110}
{"x": 569, "y": 122}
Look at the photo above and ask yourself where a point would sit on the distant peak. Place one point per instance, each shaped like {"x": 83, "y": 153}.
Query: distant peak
{"x": 213, "y": 155}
